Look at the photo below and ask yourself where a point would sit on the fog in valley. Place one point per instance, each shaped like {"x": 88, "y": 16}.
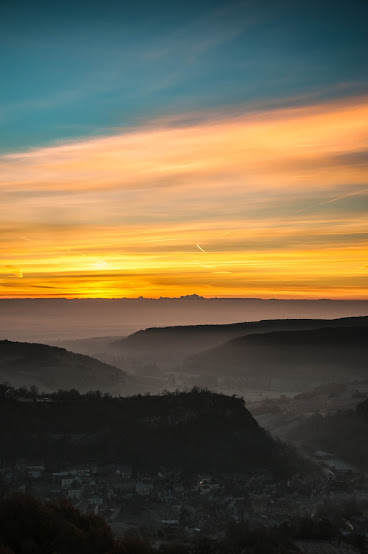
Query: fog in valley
{"x": 254, "y": 348}
{"x": 242, "y": 399}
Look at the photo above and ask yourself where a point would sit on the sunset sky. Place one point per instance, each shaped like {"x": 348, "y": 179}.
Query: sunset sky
{"x": 170, "y": 148}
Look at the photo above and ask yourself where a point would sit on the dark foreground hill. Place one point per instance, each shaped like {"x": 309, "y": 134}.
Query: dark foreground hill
{"x": 327, "y": 354}
{"x": 173, "y": 344}
{"x": 196, "y": 431}
{"x": 29, "y": 526}
{"x": 51, "y": 368}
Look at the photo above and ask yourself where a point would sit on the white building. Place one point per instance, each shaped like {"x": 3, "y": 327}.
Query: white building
{"x": 144, "y": 488}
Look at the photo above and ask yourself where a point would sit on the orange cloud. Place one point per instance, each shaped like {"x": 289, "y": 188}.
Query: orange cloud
{"x": 292, "y": 146}
{"x": 276, "y": 199}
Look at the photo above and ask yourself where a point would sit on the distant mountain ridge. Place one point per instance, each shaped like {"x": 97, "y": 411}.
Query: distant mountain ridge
{"x": 58, "y": 319}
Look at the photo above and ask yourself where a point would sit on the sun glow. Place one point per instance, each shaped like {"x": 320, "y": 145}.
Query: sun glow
{"x": 270, "y": 204}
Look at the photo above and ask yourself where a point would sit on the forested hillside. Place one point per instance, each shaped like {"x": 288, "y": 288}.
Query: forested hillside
{"x": 196, "y": 431}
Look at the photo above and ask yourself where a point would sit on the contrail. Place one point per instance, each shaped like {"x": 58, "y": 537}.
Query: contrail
{"x": 61, "y": 249}
{"x": 65, "y": 250}
{"x": 153, "y": 240}
{"x": 201, "y": 249}
{"x": 31, "y": 240}
{"x": 334, "y": 199}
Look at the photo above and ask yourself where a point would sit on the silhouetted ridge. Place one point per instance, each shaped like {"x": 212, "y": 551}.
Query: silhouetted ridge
{"x": 193, "y": 338}
{"x": 252, "y": 326}
{"x": 195, "y": 431}
{"x": 330, "y": 349}
{"x": 51, "y": 368}
{"x": 326, "y": 336}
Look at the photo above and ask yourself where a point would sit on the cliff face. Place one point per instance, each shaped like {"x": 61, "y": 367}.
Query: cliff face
{"x": 196, "y": 431}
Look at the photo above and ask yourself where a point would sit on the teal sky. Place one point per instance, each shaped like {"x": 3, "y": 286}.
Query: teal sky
{"x": 80, "y": 69}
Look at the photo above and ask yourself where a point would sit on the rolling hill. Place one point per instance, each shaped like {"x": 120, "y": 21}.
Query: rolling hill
{"x": 171, "y": 345}
{"x": 322, "y": 355}
{"x": 51, "y": 368}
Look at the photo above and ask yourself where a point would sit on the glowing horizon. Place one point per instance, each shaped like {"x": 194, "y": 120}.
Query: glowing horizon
{"x": 263, "y": 194}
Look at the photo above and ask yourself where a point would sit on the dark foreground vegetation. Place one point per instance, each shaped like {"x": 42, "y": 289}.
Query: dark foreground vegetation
{"x": 28, "y": 526}
{"x": 193, "y": 431}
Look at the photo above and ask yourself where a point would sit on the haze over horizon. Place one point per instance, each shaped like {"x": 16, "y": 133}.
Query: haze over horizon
{"x": 52, "y": 319}
{"x": 158, "y": 149}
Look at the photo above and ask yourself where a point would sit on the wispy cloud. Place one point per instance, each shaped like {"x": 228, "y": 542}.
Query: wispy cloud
{"x": 188, "y": 44}
{"x": 279, "y": 148}
{"x": 336, "y": 199}
{"x": 11, "y": 270}
{"x": 83, "y": 216}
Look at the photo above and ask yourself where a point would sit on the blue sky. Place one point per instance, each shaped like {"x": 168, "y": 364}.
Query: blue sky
{"x": 79, "y": 69}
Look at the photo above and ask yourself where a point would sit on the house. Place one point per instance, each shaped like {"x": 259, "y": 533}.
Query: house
{"x": 97, "y": 500}
{"x": 125, "y": 471}
{"x": 206, "y": 486}
{"x": 66, "y": 482}
{"x": 204, "y": 480}
{"x": 144, "y": 488}
{"x": 125, "y": 486}
{"x": 35, "y": 466}
{"x": 178, "y": 487}
{"x": 35, "y": 473}
{"x": 74, "y": 492}
{"x": 26, "y": 465}
{"x": 54, "y": 489}
{"x": 110, "y": 494}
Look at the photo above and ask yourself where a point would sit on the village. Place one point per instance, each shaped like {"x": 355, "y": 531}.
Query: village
{"x": 171, "y": 503}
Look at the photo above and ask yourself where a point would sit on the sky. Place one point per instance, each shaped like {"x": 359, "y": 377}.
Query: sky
{"x": 171, "y": 148}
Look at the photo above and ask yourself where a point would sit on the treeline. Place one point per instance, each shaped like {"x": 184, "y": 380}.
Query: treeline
{"x": 33, "y": 393}
{"x": 74, "y": 395}
{"x": 195, "y": 431}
